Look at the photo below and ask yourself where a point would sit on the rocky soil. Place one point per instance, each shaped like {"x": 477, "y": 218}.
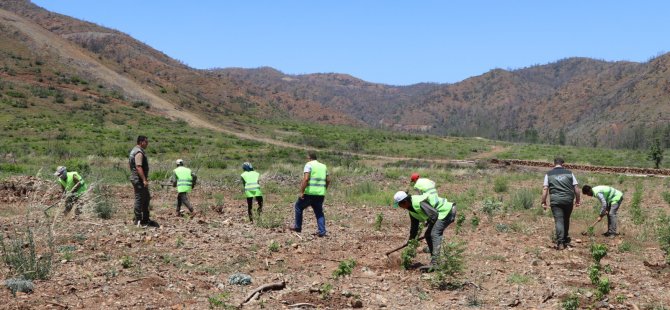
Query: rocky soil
{"x": 186, "y": 263}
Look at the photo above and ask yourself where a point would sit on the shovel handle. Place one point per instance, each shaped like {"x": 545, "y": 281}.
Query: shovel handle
{"x": 402, "y": 246}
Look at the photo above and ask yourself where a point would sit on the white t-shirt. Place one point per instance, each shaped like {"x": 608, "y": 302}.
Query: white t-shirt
{"x": 308, "y": 169}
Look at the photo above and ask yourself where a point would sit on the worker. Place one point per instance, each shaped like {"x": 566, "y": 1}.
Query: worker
{"x": 563, "y": 189}
{"x": 610, "y": 200}
{"x": 312, "y": 193}
{"x": 139, "y": 177}
{"x": 252, "y": 188}
{"x": 424, "y": 186}
{"x": 73, "y": 186}
{"x": 184, "y": 180}
{"x": 438, "y": 216}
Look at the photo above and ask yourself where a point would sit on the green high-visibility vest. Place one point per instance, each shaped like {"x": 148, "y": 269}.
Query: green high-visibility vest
{"x": 427, "y": 187}
{"x": 69, "y": 183}
{"x": 612, "y": 195}
{"x": 184, "y": 179}
{"x": 251, "y": 186}
{"x": 317, "y": 179}
{"x": 443, "y": 207}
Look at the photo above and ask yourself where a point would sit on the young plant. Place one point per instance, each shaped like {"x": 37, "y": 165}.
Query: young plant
{"x": 570, "y": 303}
{"x": 635, "y": 208}
{"x": 450, "y": 263}
{"x": 274, "y": 246}
{"x": 126, "y": 262}
{"x": 598, "y": 251}
{"x": 474, "y": 221}
{"x": 378, "y": 221}
{"x": 408, "y": 254}
{"x": 460, "y": 219}
{"x": 345, "y": 268}
{"x": 491, "y": 207}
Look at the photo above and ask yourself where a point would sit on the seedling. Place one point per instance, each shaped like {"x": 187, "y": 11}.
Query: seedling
{"x": 378, "y": 221}
{"x": 408, "y": 254}
{"x": 345, "y": 268}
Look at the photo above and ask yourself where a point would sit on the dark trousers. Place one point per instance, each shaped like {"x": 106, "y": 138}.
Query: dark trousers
{"x": 561, "y": 215}
{"x": 434, "y": 233}
{"x": 142, "y": 198}
{"x": 70, "y": 201}
{"x": 182, "y": 198}
{"x": 316, "y": 202}
{"x": 250, "y": 202}
{"x": 613, "y": 209}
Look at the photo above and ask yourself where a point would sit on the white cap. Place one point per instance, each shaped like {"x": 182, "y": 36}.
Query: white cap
{"x": 60, "y": 170}
{"x": 180, "y": 161}
{"x": 398, "y": 197}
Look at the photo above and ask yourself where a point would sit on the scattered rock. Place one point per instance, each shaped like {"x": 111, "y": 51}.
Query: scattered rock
{"x": 239, "y": 279}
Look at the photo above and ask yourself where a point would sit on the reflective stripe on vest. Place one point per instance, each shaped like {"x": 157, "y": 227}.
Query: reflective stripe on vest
{"x": 443, "y": 207}
{"x": 184, "y": 179}
{"x": 426, "y": 186}
{"x": 317, "y": 179}
{"x": 69, "y": 183}
{"x": 251, "y": 186}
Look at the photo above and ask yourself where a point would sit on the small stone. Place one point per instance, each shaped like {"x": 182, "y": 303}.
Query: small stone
{"x": 356, "y": 303}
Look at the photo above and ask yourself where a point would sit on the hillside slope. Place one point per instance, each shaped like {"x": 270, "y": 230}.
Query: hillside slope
{"x": 99, "y": 53}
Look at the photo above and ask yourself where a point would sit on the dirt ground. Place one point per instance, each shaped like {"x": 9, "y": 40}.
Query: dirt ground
{"x": 185, "y": 264}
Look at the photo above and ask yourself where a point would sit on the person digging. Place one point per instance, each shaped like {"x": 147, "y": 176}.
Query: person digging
{"x": 610, "y": 200}
{"x": 438, "y": 216}
{"x": 73, "y": 187}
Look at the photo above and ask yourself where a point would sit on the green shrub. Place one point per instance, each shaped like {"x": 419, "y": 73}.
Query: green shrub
{"x": 78, "y": 165}
{"x": 141, "y": 105}
{"x": 450, "y": 263}
{"x": 474, "y": 221}
{"x": 408, "y": 254}
{"x": 603, "y": 287}
{"x": 274, "y": 246}
{"x": 126, "y": 262}
{"x": 490, "y": 207}
{"x": 500, "y": 184}
{"x": 345, "y": 268}
{"x": 12, "y": 168}
{"x": 594, "y": 273}
{"x": 460, "y": 219}
{"x": 625, "y": 246}
{"x": 598, "y": 251}
{"x": 103, "y": 202}
{"x": 570, "y": 303}
{"x": 523, "y": 199}
{"x": 271, "y": 218}
{"x": 21, "y": 257}
{"x": 502, "y": 228}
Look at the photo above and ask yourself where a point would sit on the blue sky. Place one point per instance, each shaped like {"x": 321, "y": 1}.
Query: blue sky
{"x": 391, "y": 42}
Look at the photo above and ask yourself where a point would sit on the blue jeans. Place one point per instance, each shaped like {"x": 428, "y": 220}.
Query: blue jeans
{"x": 316, "y": 202}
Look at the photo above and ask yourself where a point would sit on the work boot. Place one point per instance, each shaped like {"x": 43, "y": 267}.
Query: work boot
{"x": 427, "y": 268}
{"x": 153, "y": 223}
{"x": 141, "y": 224}
{"x": 292, "y": 228}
